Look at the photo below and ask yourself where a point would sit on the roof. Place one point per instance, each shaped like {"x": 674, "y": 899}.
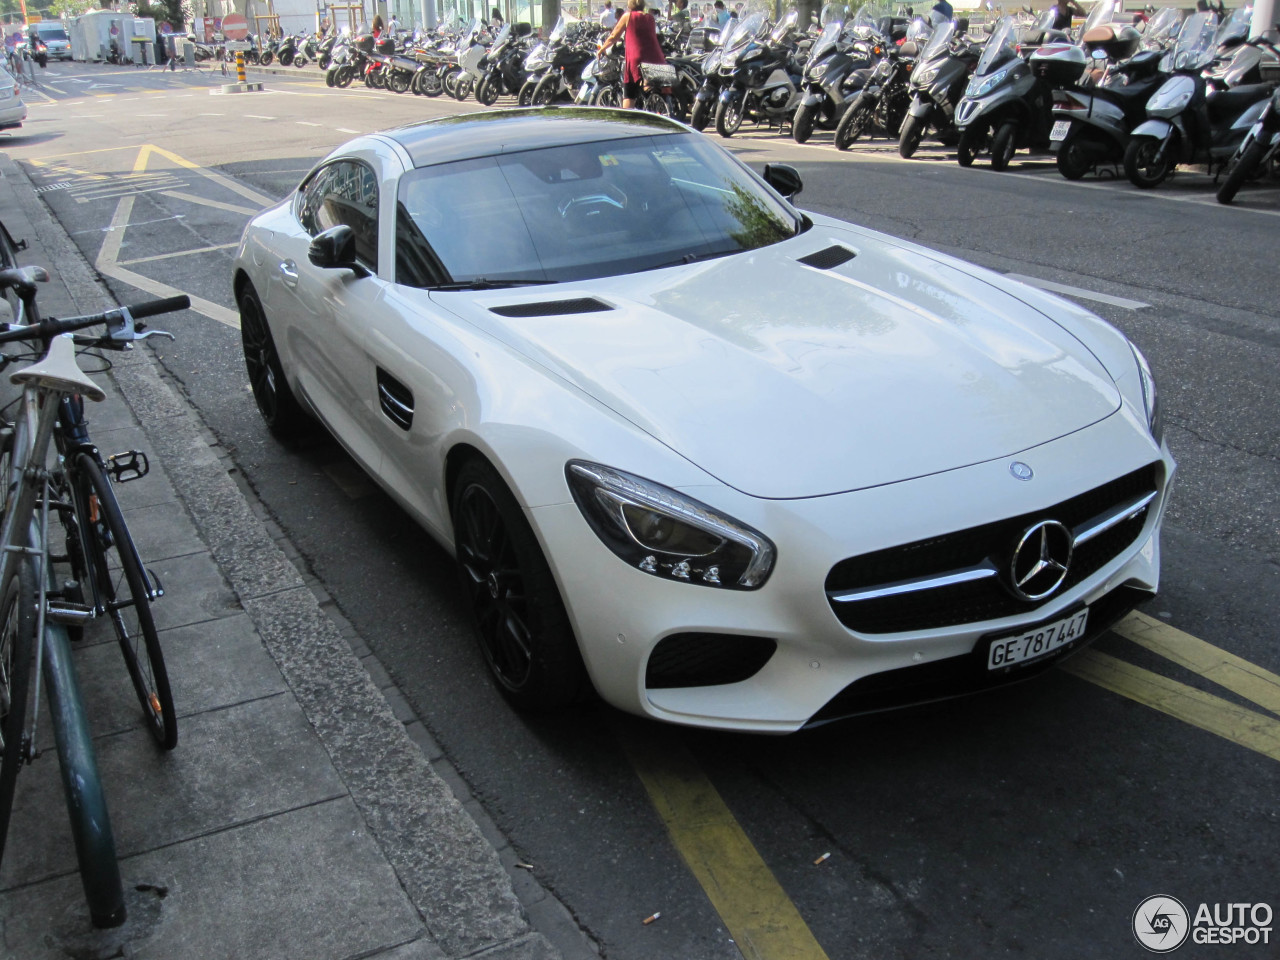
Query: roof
{"x": 464, "y": 137}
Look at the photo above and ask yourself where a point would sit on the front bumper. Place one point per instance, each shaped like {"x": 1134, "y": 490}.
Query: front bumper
{"x": 821, "y": 669}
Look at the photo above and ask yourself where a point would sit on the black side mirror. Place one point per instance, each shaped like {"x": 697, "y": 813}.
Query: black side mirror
{"x": 335, "y": 249}
{"x": 523, "y": 29}
{"x": 784, "y": 178}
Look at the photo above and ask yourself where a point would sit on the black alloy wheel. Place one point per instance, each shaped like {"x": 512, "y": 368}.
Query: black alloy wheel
{"x": 1074, "y": 160}
{"x": 1144, "y": 164}
{"x": 1004, "y": 145}
{"x": 488, "y": 89}
{"x": 518, "y": 616}
{"x": 280, "y": 409}
{"x": 854, "y": 122}
{"x": 729, "y": 116}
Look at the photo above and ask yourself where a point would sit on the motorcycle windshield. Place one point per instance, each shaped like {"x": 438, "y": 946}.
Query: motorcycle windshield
{"x": 746, "y": 32}
{"x": 826, "y": 41}
{"x": 784, "y": 27}
{"x": 1001, "y": 47}
{"x": 536, "y": 59}
{"x": 939, "y": 42}
{"x": 559, "y": 30}
{"x": 1235, "y": 26}
{"x": 468, "y": 37}
{"x": 1162, "y": 28}
{"x": 833, "y": 13}
{"x": 501, "y": 36}
{"x": 920, "y": 32}
{"x": 1103, "y": 12}
{"x": 867, "y": 20}
{"x": 1196, "y": 45}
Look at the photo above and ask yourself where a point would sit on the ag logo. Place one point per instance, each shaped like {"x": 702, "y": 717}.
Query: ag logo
{"x": 1161, "y": 924}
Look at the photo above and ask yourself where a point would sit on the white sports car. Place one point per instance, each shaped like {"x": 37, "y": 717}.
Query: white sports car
{"x": 731, "y": 464}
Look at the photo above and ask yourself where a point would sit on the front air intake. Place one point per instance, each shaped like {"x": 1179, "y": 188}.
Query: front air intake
{"x": 551, "y": 308}
{"x": 829, "y": 258}
{"x": 706, "y": 659}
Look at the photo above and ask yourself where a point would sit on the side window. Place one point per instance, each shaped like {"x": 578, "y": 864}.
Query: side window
{"x": 344, "y": 192}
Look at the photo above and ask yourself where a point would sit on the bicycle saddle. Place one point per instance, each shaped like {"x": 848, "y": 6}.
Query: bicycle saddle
{"x": 59, "y": 371}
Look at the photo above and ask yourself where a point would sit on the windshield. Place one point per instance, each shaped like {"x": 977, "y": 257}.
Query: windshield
{"x": 938, "y": 42}
{"x": 581, "y": 211}
{"x": 51, "y": 33}
{"x": 559, "y": 30}
{"x": 826, "y": 40}
{"x": 833, "y": 13}
{"x": 869, "y": 15}
{"x": 919, "y": 31}
{"x": 1196, "y": 45}
{"x": 1002, "y": 46}
{"x": 468, "y": 36}
{"x": 1236, "y": 25}
{"x": 1102, "y": 13}
{"x": 785, "y": 26}
{"x": 746, "y": 31}
{"x": 501, "y": 37}
{"x": 1162, "y": 28}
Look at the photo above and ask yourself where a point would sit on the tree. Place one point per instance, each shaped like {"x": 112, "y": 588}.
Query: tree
{"x": 70, "y": 8}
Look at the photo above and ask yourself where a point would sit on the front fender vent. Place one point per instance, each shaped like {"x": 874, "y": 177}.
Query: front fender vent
{"x": 552, "y": 308}
{"x": 829, "y": 258}
{"x": 395, "y": 399}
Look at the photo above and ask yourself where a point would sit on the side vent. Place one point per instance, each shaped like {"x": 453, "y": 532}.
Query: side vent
{"x": 829, "y": 258}
{"x": 551, "y": 308}
{"x": 395, "y": 399}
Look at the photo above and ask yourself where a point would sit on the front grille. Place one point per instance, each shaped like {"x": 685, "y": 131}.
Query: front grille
{"x": 980, "y": 600}
{"x": 967, "y": 673}
{"x": 706, "y": 659}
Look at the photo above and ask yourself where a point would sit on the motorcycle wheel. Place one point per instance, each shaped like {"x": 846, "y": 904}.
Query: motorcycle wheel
{"x": 973, "y": 140}
{"x": 1141, "y": 166}
{"x": 330, "y": 78}
{"x": 428, "y": 83}
{"x": 1245, "y": 166}
{"x": 909, "y": 137}
{"x": 299, "y": 62}
{"x": 802, "y": 123}
{"x": 267, "y": 57}
{"x": 728, "y": 117}
{"x": 286, "y": 59}
{"x": 855, "y": 120}
{"x": 462, "y": 89}
{"x": 487, "y": 90}
{"x": 399, "y": 81}
{"x": 1073, "y": 158}
{"x": 344, "y": 75}
{"x": 1003, "y": 146}
{"x": 657, "y": 103}
{"x": 700, "y": 115}
{"x": 525, "y": 97}
{"x": 324, "y": 61}
{"x": 451, "y": 81}
{"x": 251, "y": 56}
{"x": 546, "y": 90}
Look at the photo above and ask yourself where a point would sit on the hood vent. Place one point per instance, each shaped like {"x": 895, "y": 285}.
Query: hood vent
{"x": 829, "y": 258}
{"x": 551, "y": 308}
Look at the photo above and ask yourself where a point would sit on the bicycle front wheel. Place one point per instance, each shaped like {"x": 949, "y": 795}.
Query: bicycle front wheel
{"x": 17, "y": 657}
{"x": 120, "y": 591}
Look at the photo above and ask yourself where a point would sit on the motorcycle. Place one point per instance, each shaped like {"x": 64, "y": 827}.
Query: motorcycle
{"x": 1188, "y": 121}
{"x": 602, "y": 81}
{"x": 762, "y": 76}
{"x": 829, "y": 63}
{"x": 708, "y": 95}
{"x": 1259, "y": 149}
{"x": 937, "y": 85}
{"x": 1092, "y": 125}
{"x": 569, "y": 51}
{"x": 502, "y": 64}
{"x": 886, "y": 95}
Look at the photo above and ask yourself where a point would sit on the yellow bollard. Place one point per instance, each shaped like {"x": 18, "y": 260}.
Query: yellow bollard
{"x": 240, "y": 77}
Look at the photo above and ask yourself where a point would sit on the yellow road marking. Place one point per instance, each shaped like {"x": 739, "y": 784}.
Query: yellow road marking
{"x": 1255, "y": 731}
{"x": 178, "y": 253}
{"x": 1233, "y": 673}
{"x": 229, "y": 207}
{"x": 757, "y": 912}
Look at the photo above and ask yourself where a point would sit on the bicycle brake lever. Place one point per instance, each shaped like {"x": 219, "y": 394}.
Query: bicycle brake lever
{"x": 155, "y": 333}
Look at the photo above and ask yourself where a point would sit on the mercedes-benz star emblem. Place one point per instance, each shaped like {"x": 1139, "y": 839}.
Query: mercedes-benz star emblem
{"x": 1040, "y": 560}
{"x": 1021, "y": 471}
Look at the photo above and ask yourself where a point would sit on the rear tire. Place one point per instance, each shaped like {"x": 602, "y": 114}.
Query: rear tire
{"x": 909, "y": 137}
{"x": 1073, "y": 158}
{"x": 428, "y": 84}
{"x": 802, "y": 123}
{"x": 1243, "y": 169}
{"x": 17, "y": 654}
{"x": 399, "y": 81}
{"x": 1004, "y": 146}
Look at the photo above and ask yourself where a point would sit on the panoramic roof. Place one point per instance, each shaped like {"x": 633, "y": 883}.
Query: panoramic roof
{"x": 446, "y": 139}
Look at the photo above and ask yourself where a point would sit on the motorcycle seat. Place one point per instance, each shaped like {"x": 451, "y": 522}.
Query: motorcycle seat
{"x": 1125, "y": 96}
{"x": 1226, "y": 104}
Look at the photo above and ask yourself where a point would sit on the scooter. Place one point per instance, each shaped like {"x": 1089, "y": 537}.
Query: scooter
{"x": 831, "y": 59}
{"x": 1258, "y": 150}
{"x": 937, "y": 85}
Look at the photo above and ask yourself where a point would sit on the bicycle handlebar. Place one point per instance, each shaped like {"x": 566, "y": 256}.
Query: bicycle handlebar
{"x": 119, "y": 322}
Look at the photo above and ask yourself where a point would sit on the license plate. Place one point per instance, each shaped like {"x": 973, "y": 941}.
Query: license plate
{"x": 1036, "y": 643}
{"x": 1059, "y": 131}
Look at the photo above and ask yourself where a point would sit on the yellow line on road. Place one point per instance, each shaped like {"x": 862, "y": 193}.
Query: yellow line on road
{"x": 1233, "y": 673}
{"x": 1255, "y": 731}
{"x": 761, "y": 918}
{"x": 217, "y": 205}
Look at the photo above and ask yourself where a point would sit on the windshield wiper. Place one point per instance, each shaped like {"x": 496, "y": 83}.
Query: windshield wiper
{"x": 480, "y": 283}
{"x": 693, "y": 258}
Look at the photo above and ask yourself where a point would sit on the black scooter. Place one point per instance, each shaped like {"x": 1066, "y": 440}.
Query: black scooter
{"x": 937, "y": 86}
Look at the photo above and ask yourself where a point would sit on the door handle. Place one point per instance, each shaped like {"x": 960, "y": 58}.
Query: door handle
{"x": 289, "y": 270}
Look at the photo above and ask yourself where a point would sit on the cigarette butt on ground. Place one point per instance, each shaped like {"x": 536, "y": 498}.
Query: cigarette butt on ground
{"x": 525, "y": 866}
{"x": 821, "y": 858}
{"x": 648, "y": 920}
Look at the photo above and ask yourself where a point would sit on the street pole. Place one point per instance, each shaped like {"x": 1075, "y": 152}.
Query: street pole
{"x": 1264, "y": 17}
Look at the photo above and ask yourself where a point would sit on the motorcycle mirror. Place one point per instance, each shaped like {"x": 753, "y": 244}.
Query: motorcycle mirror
{"x": 1099, "y": 54}
{"x": 784, "y": 178}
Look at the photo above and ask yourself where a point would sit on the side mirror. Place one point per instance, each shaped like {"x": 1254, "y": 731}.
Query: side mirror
{"x": 784, "y": 178}
{"x": 1099, "y": 54}
{"x": 335, "y": 249}
{"x": 523, "y": 29}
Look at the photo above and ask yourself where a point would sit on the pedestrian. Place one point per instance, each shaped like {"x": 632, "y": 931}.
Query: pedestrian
{"x": 378, "y": 26}
{"x": 1066, "y": 10}
{"x": 641, "y": 46}
{"x": 722, "y": 15}
{"x": 608, "y": 18}
{"x": 495, "y": 19}
{"x": 680, "y": 16}
{"x": 394, "y": 25}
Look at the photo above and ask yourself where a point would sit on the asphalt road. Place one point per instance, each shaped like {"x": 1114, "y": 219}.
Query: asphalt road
{"x": 1029, "y": 822}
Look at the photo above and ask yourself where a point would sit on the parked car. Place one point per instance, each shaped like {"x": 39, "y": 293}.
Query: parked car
{"x": 732, "y": 464}
{"x": 12, "y": 110}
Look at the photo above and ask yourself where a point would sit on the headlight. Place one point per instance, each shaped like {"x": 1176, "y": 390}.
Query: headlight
{"x": 818, "y": 72}
{"x": 1150, "y": 399}
{"x": 667, "y": 534}
{"x": 978, "y": 87}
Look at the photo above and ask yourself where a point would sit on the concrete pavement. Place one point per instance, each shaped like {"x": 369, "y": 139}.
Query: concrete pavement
{"x": 306, "y": 812}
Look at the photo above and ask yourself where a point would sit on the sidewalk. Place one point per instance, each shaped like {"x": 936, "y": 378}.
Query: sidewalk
{"x": 300, "y": 816}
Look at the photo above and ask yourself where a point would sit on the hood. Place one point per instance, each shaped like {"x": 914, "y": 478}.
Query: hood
{"x": 785, "y": 380}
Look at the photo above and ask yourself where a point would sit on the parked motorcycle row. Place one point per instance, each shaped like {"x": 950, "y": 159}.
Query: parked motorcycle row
{"x": 1103, "y": 98}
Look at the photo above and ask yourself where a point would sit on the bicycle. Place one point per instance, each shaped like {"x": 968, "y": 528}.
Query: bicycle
{"x": 29, "y": 607}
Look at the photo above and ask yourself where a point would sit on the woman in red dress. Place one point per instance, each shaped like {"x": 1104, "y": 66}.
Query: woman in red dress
{"x": 642, "y": 46}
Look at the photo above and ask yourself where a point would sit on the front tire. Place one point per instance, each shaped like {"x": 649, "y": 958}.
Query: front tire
{"x": 487, "y": 90}
{"x": 1243, "y": 169}
{"x": 728, "y": 117}
{"x": 17, "y": 655}
{"x": 547, "y": 90}
{"x": 854, "y": 122}
{"x": 909, "y": 137}
{"x": 1140, "y": 163}
{"x": 1003, "y": 146}
{"x": 700, "y": 115}
{"x": 462, "y": 89}
{"x": 802, "y": 123}
{"x": 519, "y": 619}
{"x": 280, "y": 409}
{"x": 973, "y": 141}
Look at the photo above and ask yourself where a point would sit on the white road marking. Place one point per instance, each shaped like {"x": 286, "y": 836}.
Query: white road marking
{"x": 306, "y": 123}
{"x": 255, "y": 116}
{"x": 1078, "y": 292}
{"x": 345, "y": 130}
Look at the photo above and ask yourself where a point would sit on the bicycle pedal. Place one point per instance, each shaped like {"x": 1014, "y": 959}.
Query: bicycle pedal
{"x": 131, "y": 465}
{"x": 68, "y": 613}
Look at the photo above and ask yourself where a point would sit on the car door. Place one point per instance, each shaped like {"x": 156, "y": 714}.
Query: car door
{"x": 330, "y": 310}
